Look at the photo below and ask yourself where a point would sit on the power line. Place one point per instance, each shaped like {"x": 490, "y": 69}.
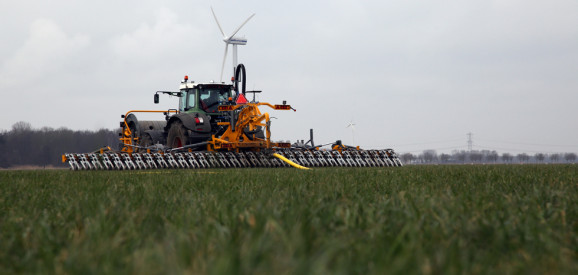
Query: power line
{"x": 430, "y": 142}
{"x": 435, "y": 149}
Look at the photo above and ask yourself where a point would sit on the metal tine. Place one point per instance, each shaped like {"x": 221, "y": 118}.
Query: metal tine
{"x": 119, "y": 165}
{"x": 139, "y": 161}
{"x": 385, "y": 156}
{"x": 213, "y": 163}
{"x": 339, "y": 159}
{"x": 150, "y": 161}
{"x": 264, "y": 159}
{"x": 243, "y": 160}
{"x": 171, "y": 161}
{"x": 128, "y": 162}
{"x": 223, "y": 160}
{"x": 106, "y": 162}
{"x": 302, "y": 160}
{"x": 319, "y": 159}
{"x": 202, "y": 160}
{"x": 232, "y": 159}
{"x": 84, "y": 162}
{"x": 352, "y": 160}
{"x": 324, "y": 159}
{"x": 367, "y": 158}
{"x": 253, "y": 159}
{"x": 72, "y": 161}
{"x": 160, "y": 160}
{"x": 193, "y": 163}
{"x": 311, "y": 159}
{"x": 348, "y": 159}
{"x": 181, "y": 160}
{"x": 357, "y": 156}
{"x": 95, "y": 161}
{"x": 274, "y": 162}
{"x": 376, "y": 158}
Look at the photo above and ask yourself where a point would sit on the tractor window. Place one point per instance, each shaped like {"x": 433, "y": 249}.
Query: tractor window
{"x": 188, "y": 101}
{"x": 191, "y": 99}
{"x": 211, "y": 97}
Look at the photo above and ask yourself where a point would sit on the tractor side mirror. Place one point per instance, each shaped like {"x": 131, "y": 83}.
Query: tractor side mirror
{"x": 156, "y": 98}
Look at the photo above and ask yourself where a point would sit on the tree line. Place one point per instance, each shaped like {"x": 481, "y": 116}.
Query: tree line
{"x": 485, "y": 156}
{"x": 25, "y": 146}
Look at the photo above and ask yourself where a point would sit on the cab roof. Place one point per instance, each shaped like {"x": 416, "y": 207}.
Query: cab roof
{"x": 189, "y": 85}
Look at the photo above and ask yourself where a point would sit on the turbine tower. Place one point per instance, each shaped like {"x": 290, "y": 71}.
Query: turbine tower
{"x": 232, "y": 40}
{"x": 352, "y": 126}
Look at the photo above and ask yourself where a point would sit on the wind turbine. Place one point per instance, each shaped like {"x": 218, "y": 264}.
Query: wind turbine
{"x": 231, "y": 39}
{"x": 352, "y": 126}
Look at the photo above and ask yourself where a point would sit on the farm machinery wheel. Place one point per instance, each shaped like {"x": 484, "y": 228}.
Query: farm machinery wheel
{"x": 177, "y": 136}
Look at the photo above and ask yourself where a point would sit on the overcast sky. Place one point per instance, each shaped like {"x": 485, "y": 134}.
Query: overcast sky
{"x": 411, "y": 74}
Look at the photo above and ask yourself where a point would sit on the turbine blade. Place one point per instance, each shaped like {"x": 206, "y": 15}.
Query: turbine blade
{"x": 217, "y": 20}
{"x": 235, "y": 32}
{"x": 224, "y": 59}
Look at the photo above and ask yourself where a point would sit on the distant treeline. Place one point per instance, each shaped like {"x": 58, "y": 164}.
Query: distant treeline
{"x": 485, "y": 156}
{"x": 24, "y": 146}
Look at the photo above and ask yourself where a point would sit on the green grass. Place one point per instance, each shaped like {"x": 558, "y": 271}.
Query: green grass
{"x": 519, "y": 219}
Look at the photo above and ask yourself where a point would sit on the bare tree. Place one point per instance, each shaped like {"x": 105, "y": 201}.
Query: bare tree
{"x": 429, "y": 156}
{"x": 445, "y": 158}
{"x": 407, "y": 158}
{"x": 21, "y": 126}
{"x": 570, "y": 157}
{"x": 506, "y": 157}
{"x": 523, "y": 157}
{"x": 476, "y": 156}
{"x": 540, "y": 157}
{"x": 460, "y": 156}
{"x": 492, "y": 156}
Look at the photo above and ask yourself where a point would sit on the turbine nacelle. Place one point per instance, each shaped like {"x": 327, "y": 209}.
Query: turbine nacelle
{"x": 236, "y": 41}
{"x": 231, "y": 40}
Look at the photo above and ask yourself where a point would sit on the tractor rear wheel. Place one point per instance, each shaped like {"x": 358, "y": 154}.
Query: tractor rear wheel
{"x": 177, "y": 136}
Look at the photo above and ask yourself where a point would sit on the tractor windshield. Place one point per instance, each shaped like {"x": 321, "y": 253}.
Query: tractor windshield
{"x": 211, "y": 96}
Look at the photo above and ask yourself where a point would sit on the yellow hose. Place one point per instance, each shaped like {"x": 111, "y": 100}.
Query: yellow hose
{"x": 290, "y": 162}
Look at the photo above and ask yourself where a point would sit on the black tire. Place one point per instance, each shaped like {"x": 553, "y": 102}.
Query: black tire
{"x": 177, "y": 136}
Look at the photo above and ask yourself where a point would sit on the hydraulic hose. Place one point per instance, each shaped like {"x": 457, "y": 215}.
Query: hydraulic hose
{"x": 290, "y": 162}
{"x": 240, "y": 69}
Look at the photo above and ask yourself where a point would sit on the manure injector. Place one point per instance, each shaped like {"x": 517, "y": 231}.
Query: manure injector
{"x": 215, "y": 126}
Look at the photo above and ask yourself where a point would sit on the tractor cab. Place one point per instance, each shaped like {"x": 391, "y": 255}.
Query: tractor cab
{"x": 203, "y": 98}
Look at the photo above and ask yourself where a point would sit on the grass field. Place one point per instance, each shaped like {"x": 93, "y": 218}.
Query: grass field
{"x": 519, "y": 219}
